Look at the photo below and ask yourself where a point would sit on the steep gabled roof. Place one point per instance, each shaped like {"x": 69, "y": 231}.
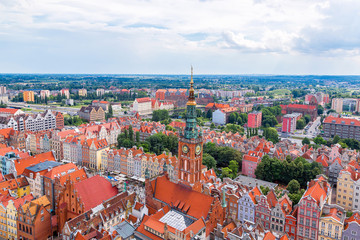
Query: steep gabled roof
{"x": 95, "y": 190}
{"x": 173, "y": 194}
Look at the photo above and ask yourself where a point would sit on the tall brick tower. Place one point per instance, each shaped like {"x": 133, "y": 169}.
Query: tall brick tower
{"x": 190, "y": 144}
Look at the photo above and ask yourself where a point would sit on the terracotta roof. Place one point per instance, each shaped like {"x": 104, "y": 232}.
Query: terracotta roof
{"x": 342, "y": 121}
{"x": 142, "y": 100}
{"x": 169, "y": 192}
{"x": 8, "y": 110}
{"x": 354, "y": 218}
{"x": 253, "y": 193}
{"x": 285, "y": 237}
{"x": 333, "y": 213}
{"x": 316, "y": 192}
{"x": 269, "y": 236}
{"x": 228, "y": 228}
{"x": 141, "y": 229}
{"x": 299, "y": 106}
{"x": 89, "y": 189}
{"x": 21, "y": 201}
{"x": 138, "y": 206}
{"x": 323, "y": 160}
{"x": 61, "y": 170}
{"x": 271, "y": 199}
{"x": 21, "y": 164}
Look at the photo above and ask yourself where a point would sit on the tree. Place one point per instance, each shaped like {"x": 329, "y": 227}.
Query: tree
{"x": 264, "y": 190}
{"x": 226, "y": 172}
{"x": 336, "y": 139}
{"x": 137, "y": 136}
{"x": 232, "y": 118}
{"x": 293, "y": 186}
{"x": 234, "y": 166}
{"x": 110, "y": 110}
{"x": 307, "y": 118}
{"x": 160, "y": 142}
{"x": 212, "y": 126}
{"x": 319, "y": 140}
{"x": 159, "y": 115}
{"x": 305, "y": 141}
{"x": 233, "y": 128}
{"x": 209, "y": 114}
{"x": 271, "y": 135}
{"x": 131, "y": 133}
{"x": 320, "y": 110}
{"x": 300, "y": 124}
{"x": 209, "y": 161}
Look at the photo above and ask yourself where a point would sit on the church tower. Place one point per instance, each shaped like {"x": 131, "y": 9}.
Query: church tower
{"x": 190, "y": 144}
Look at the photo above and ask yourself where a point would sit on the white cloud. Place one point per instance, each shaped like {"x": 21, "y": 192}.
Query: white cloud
{"x": 158, "y": 29}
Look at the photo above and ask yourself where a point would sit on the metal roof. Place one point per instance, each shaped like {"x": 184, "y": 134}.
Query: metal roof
{"x": 43, "y": 166}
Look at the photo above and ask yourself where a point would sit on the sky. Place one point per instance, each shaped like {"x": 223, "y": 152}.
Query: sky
{"x": 166, "y": 37}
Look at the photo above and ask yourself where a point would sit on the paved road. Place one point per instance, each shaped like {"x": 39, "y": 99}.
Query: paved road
{"x": 44, "y": 107}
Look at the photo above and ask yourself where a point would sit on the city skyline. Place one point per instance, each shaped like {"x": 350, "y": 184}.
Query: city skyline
{"x": 158, "y": 37}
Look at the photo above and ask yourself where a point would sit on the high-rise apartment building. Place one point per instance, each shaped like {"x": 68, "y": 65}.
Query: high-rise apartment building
{"x": 254, "y": 119}
{"x": 28, "y": 96}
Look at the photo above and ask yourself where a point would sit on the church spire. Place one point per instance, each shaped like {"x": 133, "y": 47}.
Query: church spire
{"x": 191, "y": 100}
{"x": 191, "y": 130}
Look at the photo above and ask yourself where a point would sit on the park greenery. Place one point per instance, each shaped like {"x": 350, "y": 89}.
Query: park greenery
{"x": 160, "y": 115}
{"x": 74, "y": 121}
{"x": 157, "y": 143}
{"x": 269, "y": 115}
{"x": 271, "y": 134}
{"x": 275, "y": 170}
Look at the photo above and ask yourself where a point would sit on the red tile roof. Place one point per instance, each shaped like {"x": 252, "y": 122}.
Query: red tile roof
{"x": 8, "y": 110}
{"x": 171, "y": 193}
{"x": 269, "y": 236}
{"x": 299, "y": 106}
{"x": 60, "y": 170}
{"x": 316, "y": 192}
{"x": 342, "y": 121}
{"x": 21, "y": 164}
{"x": 95, "y": 190}
{"x": 142, "y": 100}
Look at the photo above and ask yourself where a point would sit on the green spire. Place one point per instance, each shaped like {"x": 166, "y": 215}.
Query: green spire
{"x": 191, "y": 130}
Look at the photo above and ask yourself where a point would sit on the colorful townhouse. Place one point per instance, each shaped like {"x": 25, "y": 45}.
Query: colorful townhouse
{"x": 247, "y": 204}
{"x": 34, "y": 220}
{"x": 310, "y": 208}
{"x": 331, "y": 222}
{"x": 351, "y": 227}
{"x": 12, "y": 214}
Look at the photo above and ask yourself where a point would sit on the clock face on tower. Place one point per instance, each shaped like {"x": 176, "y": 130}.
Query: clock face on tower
{"x": 198, "y": 149}
{"x": 185, "y": 149}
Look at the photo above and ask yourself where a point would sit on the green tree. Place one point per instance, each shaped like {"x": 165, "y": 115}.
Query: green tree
{"x": 319, "y": 140}
{"x": 305, "y": 141}
{"x": 234, "y": 166}
{"x": 138, "y": 136}
{"x": 336, "y": 139}
{"x": 131, "y": 133}
{"x": 111, "y": 110}
{"x": 209, "y": 161}
{"x": 271, "y": 135}
{"x": 232, "y": 118}
{"x": 300, "y": 124}
{"x": 159, "y": 115}
{"x": 320, "y": 110}
{"x": 307, "y": 118}
{"x": 293, "y": 186}
{"x": 209, "y": 114}
{"x": 233, "y": 128}
{"x": 226, "y": 172}
{"x": 212, "y": 126}
{"x": 264, "y": 190}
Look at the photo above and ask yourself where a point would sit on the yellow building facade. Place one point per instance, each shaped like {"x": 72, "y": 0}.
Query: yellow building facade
{"x": 345, "y": 190}
{"x": 331, "y": 223}
{"x": 3, "y": 223}
{"x": 28, "y": 96}
{"x": 11, "y": 220}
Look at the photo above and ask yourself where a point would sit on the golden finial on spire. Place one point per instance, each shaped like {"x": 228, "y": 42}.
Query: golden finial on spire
{"x": 191, "y": 91}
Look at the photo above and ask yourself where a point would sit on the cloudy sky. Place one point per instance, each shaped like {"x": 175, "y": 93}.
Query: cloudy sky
{"x": 167, "y": 36}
